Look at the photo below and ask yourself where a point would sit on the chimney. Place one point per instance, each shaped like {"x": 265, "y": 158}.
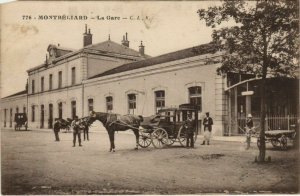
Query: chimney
{"x": 142, "y": 49}
{"x": 125, "y": 41}
{"x": 87, "y": 37}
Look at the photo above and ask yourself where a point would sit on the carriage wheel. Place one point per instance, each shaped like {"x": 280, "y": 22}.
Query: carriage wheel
{"x": 283, "y": 142}
{"x": 159, "y": 138}
{"x": 181, "y": 136}
{"x": 144, "y": 139}
{"x": 275, "y": 142}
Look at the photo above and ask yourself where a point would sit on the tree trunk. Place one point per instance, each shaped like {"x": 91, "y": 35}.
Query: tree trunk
{"x": 262, "y": 146}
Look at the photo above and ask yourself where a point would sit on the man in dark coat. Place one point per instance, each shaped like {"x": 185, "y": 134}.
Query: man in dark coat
{"x": 189, "y": 125}
{"x": 249, "y": 126}
{"x": 76, "y": 131}
{"x": 207, "y": 122}
{"x": 56, "y": 129}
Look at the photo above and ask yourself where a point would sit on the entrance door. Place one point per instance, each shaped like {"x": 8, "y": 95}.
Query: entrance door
{"x": 42, "y": 116}
{"x": 50, "y": 122}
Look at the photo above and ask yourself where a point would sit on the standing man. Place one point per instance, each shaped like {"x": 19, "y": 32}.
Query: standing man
{"x": 56, "y": 129}
{"x": 189, "y": 126}
{"x": 249, "y": 126}
{"x": 207, "y": 122}
{"x": 76, "y": 131}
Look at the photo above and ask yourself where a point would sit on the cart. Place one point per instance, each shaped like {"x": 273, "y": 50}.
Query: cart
{"x": 167, "y": 127}
{"x": 20, "y": 120}
{"x": 278, "y": 138}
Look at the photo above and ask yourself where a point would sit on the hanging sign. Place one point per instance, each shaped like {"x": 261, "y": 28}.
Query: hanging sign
{"x": 247, "y": 93}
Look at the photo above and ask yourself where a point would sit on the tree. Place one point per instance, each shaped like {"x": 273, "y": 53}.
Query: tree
{"x": 263, "y": 41}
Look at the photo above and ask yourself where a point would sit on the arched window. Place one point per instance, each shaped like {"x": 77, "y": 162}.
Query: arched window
{"x": 109, "y": 103}
{"x": 91, "y": 104}
{"x": 10, "y": 117}
{"x": 131, "y": 103}
{"x": 195, "y": 96}
{"x": 159, "y": 100}
{"x": 73, "y": 109}
{"x": 60, "y": 110}
{"x": 32, "y": 113}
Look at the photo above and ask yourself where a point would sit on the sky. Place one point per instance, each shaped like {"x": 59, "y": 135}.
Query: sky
{"x": 168, "y": 26}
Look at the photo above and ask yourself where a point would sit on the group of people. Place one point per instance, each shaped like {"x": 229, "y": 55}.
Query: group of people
{"x": 77, "y": 129}
{"x": 190, "y": 126}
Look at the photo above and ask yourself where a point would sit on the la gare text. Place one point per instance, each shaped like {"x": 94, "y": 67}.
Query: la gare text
{"x": 67, "y": 17}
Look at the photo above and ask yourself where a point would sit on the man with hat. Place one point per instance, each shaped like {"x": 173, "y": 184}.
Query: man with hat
{"x": 207, "y": 122}
{"x": 76, "y": 131}
{"x": 249, "y": 126}
{"x": 56, "y": 129}
{"x": 189, "y": 126}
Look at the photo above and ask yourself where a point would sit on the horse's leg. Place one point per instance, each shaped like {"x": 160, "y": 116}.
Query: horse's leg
{"x": 137, "y": 135}
{"x": 111, "y": 134}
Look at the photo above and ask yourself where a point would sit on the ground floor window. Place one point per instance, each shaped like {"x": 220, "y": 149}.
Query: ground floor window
{"x": 10, "y": 117}
{"x": 24, "y": 109}
{"x": 195, "y": 96}
{"x": 159, "y": 100}
{"x": 91, "y": 104}
{"x": 60, "y": 110}
{"x": 5, "y": 110}
{"x": 17, "y": 110}
{"x": 131, "y": 103}
{"x": 109, "y": 104}
{"x": 73, "y": 109}
{"x": 32, "y": 113}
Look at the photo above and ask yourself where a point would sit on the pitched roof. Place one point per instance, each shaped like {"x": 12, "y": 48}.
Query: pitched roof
{"x": 16, "y": 94}
{"x": 181, "y": 54}
{"x": 113, "y": 47}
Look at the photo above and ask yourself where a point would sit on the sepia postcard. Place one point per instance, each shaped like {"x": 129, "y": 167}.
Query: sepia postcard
{"x": 149, "y": 97}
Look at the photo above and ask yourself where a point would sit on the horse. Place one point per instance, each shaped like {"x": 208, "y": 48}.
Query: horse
{"x": 116, "y": 122}
{"x": 65, "y": 124}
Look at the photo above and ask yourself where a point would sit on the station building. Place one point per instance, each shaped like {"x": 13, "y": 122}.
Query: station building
{"x": 112, "y": 77}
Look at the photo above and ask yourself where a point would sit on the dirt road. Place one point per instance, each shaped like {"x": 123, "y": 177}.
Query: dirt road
{"x": 32, "y": 163}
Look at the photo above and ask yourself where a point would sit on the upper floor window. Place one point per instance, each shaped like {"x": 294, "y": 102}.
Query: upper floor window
{"x": 50, "y": 81}
{"x": 91, "y": 104}
{"x": 73, "y": 75}
{"x": 109, "y": 104}
{"x": 195, "y": 96}
{"x": 159, "y": 100}
{"x": 42, "y": 84}
{"x": 59, "y": 79}
{"x": 131, "y": 103}
{"x": 32, "y": 86}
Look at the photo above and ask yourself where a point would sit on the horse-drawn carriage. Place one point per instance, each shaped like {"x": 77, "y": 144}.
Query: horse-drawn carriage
{"x": 65, "y": 124}
{"x": 160, "y": 130}
{"x": 167, "y": 127}
{"x": 278, "y": 138}
{"x": 20, "y": 120}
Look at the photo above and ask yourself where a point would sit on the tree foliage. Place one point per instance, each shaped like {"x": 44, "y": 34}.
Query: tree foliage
{"x": 266, "y": 34}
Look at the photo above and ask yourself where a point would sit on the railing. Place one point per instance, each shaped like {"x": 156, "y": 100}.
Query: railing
{"x": 273, "y": 122}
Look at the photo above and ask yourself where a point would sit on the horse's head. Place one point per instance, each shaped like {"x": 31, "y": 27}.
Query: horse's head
{"x": 102, "y": 117}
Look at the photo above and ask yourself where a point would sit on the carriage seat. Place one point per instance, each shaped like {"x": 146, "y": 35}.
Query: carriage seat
{"x": 151, "y": 121}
